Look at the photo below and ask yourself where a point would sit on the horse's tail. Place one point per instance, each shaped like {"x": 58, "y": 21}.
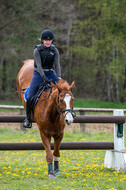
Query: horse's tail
{"x": 24, "y": 78}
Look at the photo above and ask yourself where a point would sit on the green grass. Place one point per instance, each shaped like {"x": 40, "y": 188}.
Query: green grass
{"x": 81, "y": 169}
{"x": 2, "y": 102}
{"x": 83, "y": 103}
{"x": 93, "y": 103}
{"x": 8, "y": 134}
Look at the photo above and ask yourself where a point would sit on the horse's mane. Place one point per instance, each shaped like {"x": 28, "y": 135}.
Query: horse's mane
{"x": 63, "y": 84}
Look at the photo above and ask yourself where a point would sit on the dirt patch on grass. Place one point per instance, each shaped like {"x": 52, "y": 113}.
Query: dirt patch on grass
{"x": 93, "y": 127}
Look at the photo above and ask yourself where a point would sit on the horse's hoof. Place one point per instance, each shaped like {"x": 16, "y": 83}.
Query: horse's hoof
{"x": 57, "y": 173}
{"x": 51, "y": 176}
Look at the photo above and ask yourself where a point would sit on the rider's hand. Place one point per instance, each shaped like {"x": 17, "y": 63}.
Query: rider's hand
{"x": 46, "y": 80}
{"x": 58, "y": 79}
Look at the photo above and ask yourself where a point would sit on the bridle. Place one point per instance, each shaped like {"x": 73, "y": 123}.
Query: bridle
{"x": 62, "y": 111}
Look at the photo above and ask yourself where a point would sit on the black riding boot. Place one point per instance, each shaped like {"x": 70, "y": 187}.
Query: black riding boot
{"x": 27, "y": 122}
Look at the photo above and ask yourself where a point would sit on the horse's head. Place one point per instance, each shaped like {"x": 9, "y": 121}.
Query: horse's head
{"x": 65, "y": 100}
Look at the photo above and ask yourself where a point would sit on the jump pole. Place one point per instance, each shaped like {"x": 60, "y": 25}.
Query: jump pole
{"x": 77, "y": 119}
{"x": 116, "y": 158}
{"x": 63, "y": 146}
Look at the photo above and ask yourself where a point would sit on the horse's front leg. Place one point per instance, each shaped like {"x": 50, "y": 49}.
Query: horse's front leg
{"x": 49, "y": 157}
{"x": 56, "y": 153}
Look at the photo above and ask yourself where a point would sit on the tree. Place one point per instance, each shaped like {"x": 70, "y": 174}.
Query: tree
{"x": 100, "y": 34}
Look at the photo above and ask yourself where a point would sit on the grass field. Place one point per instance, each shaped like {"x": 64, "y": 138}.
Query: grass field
{"x": 93, "y": 103}
{"x": 21, "y": 170}
{"x": 84, "y": 103}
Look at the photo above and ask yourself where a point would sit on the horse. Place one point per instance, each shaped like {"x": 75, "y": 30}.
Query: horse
{"x": 52, "y": 112}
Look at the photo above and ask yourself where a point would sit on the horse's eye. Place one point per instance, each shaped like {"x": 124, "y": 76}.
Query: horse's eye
{"x": 61, "y": 101}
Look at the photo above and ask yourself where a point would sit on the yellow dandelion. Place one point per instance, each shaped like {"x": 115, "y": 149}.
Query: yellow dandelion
{"x": 29, "y": 172}
{"x": 58, "y": 187}
{"x": 7, "y": 173}
{"x": 16, "y": 169}
{"x": 16, "y": 175}
{"x": 35, "y": 174}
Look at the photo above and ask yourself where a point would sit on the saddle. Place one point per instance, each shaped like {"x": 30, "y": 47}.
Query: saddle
{"x": 35, "y": 98}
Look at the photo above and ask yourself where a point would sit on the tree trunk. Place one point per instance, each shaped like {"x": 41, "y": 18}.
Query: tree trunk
{"x": 4, "y": 77}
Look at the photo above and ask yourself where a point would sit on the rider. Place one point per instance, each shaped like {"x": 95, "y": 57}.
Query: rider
{"x": 46, "y": 58}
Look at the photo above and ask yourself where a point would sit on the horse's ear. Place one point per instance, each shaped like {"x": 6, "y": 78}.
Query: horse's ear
{"x": 72, "y": 86}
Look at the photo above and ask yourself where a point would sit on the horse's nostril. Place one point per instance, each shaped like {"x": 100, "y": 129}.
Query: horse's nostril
{"x": 67, "y": 122}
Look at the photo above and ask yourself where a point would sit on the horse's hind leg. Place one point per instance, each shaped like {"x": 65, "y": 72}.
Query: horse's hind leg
{"x": 49, "y": 157}
{"x": 56, "y": 153}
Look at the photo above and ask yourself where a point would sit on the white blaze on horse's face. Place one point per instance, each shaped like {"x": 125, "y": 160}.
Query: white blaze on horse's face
{"x": 68, "y": 115}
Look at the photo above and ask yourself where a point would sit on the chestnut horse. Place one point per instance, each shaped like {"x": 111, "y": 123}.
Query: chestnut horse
{"x": 51, "y": 114}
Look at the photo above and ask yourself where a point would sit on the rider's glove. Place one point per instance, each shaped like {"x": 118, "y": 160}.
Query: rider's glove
{"x": 58, "y": 79}
{"x": 46, "y": 80}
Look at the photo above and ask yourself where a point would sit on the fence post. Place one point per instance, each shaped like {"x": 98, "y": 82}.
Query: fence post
{"x": 116, "y": 158}
{"x": 82, "y": 125}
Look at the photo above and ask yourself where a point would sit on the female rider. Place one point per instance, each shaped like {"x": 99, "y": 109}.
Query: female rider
{"x": 46, "y": 57}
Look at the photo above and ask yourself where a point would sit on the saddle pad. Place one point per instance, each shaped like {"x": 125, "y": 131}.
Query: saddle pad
{"x": 26, "y": 94}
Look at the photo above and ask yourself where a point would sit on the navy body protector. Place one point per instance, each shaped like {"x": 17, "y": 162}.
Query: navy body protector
{"x": 47, "y": 56}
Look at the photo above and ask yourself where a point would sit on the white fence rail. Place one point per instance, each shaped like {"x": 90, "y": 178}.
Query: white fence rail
{"x": 75, "y": 109}
{"x": 11, "y": 107}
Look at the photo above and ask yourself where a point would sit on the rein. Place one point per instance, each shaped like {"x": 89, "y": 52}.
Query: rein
{"x": 49, "y": 86}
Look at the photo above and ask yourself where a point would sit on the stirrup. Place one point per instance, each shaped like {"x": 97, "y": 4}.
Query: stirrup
{"x": 27, "y": 124}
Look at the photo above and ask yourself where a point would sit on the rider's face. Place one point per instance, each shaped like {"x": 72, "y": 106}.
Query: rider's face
{"x": 47, "y": 43}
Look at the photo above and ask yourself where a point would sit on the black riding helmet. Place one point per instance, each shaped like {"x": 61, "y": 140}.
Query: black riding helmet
{"x": 47, "y": 35}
